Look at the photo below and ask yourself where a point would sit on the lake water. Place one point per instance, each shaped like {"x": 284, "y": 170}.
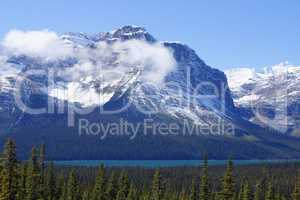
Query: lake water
{"x": 162, "y": 163}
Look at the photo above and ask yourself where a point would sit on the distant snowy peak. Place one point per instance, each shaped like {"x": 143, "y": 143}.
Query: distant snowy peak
{"x": 271, "y": 92}
{"x": 240, "y": 76}
{"x": 127, "y": 33}
{"x": 121, "y": 34}
{"x": 249, "y": 82}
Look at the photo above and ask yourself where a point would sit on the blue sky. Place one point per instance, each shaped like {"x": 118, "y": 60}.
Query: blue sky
{"x": 225, "y": 33}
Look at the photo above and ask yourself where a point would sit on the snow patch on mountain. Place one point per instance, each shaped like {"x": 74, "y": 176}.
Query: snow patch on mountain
{"x": 271, "y": 96}
{"x": 128, "y": 63}
{"x": 90, "y": 64}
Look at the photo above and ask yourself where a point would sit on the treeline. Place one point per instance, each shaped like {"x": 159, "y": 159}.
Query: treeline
{"x": 36, "y": 180}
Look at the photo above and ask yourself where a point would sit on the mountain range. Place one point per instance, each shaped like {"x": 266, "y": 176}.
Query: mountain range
{"x": 68, "y": 90}
{"x": 269, "y": 97}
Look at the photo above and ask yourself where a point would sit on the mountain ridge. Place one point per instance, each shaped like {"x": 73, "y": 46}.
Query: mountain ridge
{"x": 153, "y": 80}
{"x": 269, "y": 98}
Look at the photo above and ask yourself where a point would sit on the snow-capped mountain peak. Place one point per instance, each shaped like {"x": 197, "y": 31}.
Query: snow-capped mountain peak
{"x": 266, "y": 94}
{"x": 124, "y": 33}
{"x": 127, "y": 33}
{"x": 127, "y": 65}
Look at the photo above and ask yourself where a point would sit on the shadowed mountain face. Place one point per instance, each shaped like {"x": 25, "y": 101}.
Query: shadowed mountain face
{"x": 107, "y": 96}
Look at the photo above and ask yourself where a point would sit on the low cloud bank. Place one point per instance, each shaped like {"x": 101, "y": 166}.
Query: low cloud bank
{"x": 106, "y": 60}
{"x": 43, "y": 44}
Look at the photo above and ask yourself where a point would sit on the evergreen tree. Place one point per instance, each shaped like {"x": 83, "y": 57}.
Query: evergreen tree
{"x": 204, "y": 187}
{"x": 193, "y": 192}
{"x": 283, "y": 197}
{"x": 168, "y": 194}
{"x": 173, "y": 196}
{"x": 123, "y": 187}
{"x": 72, "y": 187}
{"x": 41, "y": 161}
{"x": 227, "y": 192}
{"x": 33, "y": 178}
{"x": 264, "y": 181}
{"x": 277, "y": 197}
{"x": 86, "y": 195}
{"x": 258, "y": 194}
{"x": 99, "y": 189}
{"x": 240, "y": 193}
{"x": 246, "y": 191}
{"x": 296, "y": 192}
{"x": 9, "y": 172}
{"x": 145, "y": 193}
{"x": 270, "y": 192}
{"x": 145, "y": 196}
{"x": 61, "y": 192}
{"x": 111, "y": 189}
{"x": 50, "y": 188}
{"x": 157, "y": 190}
{"x": 22, "y": 182}
{"x": 131, "y": 194}
{"x": 1, "y": 176}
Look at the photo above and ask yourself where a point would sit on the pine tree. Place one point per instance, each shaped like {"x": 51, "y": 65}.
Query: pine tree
{"x": 72, "y": 187}
{"x": 86, "y": 195}
{"x": 258, "y": 194}
{"x": 270, "y": 192}
{"x": 123, "y": 187}
{"x": 99, "y": 189}
{"x": 33, "y": 178}
{"x": 61, "y": 192}
{"x": 50, "y": 188}
{"x": 236, "y": 196}
{"x": 1, "y": 176}
{"x": 296, "y": 192}
{"x": 22, "y": 182}
{"x": 277, "y": 197}
{"x": 42, "y": 156}
{"x": 157, "y": 190}
{"x": 145, "y": 196}
{"x": 173, "y": 196}
{"x": 227, "y": 192}
{"x": 283, "y": 197}
{"x": 204, "y": 187}
{"x": 41, "y": 161}
{"x": 246, "y": 191}
{"x": 131, "y": 194}
{"x": 264, "y": 181}
{"x": 167, "y": 190}
{"x": 193, "y": 192}
{"x": 9, "y": 173}
{"x": 110, "y": 192}
{"x": 145, "y": 193}
{"x": 240, "y": 193}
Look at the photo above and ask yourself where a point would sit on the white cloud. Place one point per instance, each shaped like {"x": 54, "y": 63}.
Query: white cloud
{"x": 108, "y": 61}
{"x": 44, "y": 44}
{"x": 156, "y": 59}
{"x": 103, "y": 67}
